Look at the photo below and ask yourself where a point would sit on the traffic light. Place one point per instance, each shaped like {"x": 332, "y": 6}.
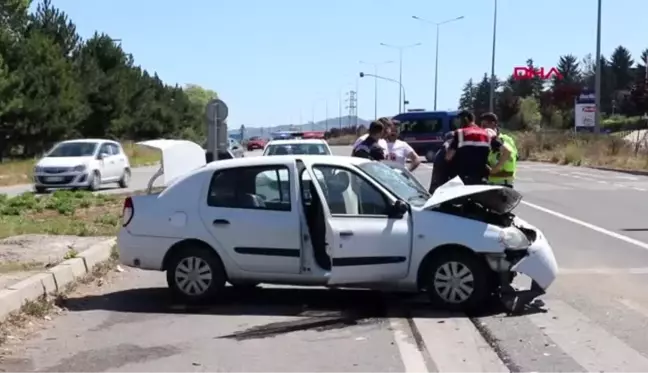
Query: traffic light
{"x": 362, "y": 75}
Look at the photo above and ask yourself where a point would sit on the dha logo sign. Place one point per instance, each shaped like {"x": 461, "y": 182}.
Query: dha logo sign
{"x": 526, "y": 73}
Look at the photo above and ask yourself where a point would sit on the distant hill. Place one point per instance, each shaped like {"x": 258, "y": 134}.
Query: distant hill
{"x": 345, "y": 121}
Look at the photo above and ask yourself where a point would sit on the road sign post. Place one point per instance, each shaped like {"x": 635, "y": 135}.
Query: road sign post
{"x": 216, "y": 114}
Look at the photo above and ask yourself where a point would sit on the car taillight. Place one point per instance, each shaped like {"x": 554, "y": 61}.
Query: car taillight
{"x": 128, "y": 212}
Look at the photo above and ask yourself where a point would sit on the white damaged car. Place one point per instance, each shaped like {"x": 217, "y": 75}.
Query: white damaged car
{"x": 361, "y": 224}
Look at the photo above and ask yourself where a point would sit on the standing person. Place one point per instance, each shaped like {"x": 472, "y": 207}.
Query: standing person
{"x": 469, "y": 150}
{"x": 506, "y": 176}
{"x": 381, "y": 142}
{"x": 398, "y": 150}
{"x": 442, "y": 170}
{"x": 370, "y": 147}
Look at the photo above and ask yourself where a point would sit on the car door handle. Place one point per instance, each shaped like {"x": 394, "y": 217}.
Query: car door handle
{"x": 221, "y": 222}
{"x": 346, "y": 233}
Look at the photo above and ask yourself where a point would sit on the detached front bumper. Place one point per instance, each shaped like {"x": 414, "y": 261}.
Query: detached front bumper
{"x": 62, "y": 180}
{"x": 539, "y": 263}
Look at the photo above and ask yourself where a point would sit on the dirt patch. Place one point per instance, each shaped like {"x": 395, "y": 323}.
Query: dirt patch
{"x": 25, "y": 255}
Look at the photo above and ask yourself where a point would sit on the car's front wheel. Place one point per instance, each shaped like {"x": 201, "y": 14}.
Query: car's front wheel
{"x": 457, "y": 280}
{"x": 195, "y": 274}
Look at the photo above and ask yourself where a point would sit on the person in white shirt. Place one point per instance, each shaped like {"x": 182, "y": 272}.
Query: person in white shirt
{"x": 382, "y": 143}
{"x": 399, "y": 151}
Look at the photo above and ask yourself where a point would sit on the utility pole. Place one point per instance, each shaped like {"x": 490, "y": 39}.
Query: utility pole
{"x": 400, "y": 49}
{"x": 597, "y": 80}
{"x": 352, "y": 106}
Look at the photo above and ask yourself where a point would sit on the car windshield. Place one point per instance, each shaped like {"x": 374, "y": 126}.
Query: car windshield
{"x": 73, "y": 149}
{"x": 283, "y": 149}
{"x": 396, "y": 182}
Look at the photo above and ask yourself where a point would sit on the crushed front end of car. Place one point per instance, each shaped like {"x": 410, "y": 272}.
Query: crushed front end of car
{"x": 522, "y": 248}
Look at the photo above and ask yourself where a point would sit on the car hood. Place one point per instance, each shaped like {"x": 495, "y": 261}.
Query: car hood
{"x": 498, "y": 199}
{"x": 64, "y": 161}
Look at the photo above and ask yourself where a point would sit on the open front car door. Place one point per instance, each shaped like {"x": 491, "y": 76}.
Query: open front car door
{"x": 368, "y": 230}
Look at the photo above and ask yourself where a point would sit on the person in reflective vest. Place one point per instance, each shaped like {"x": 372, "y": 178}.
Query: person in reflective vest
{"x": 505, "y": 176}
{"x": 469, "y": 149}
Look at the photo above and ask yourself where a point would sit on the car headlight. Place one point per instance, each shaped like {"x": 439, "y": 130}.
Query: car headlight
{"x": 513, "y": 238}
{"x": 79, "y": 168}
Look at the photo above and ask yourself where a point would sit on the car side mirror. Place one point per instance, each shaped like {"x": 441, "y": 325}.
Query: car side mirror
{"x": 398, "y": 209}
{"x": 102, "y": 156}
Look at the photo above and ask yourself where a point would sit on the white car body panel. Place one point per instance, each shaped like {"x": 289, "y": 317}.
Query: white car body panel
{"x": 74, "y": 172}
{"x": 382, "y": 252}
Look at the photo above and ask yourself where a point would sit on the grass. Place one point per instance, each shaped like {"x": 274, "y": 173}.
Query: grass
{"x": 13, "y": 172}
{"x": 342, "y": 140}
{"x": 63, "y": 212}
{"x": 581, "y": 150}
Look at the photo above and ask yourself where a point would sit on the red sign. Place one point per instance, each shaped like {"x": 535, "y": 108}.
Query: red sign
{"x": 525, "y": 73}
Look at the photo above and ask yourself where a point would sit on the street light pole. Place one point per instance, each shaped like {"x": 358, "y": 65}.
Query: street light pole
{"x": 436, "y": 58}
{"x": 375, "y": 65}
{"x": 491, "y": 96}
{"x": 402, "y": 88}
{"x": 400, "y": 68}
{"x": 597, "y": 81}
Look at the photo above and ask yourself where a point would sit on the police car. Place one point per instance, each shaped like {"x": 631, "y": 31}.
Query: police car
{"x": 328, "y": 221}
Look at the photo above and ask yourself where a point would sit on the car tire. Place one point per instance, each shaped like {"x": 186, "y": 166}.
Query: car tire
{"x": 205, "y": 265}
{"x": 452, "y": 270}
{"x": 125, "y": 179}
{"x": 95, "y": 182}
{"x": 39, "y": 189}
{"x": 429, "y": 156}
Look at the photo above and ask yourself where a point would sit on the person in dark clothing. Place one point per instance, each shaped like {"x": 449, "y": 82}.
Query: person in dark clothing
{"x": 369, "y": 147}
{"x": 443, "y": 170}
{"x": 469, "y": 150}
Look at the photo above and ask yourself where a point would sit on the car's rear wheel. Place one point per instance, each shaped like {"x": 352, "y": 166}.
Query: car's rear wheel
{"x": 458, "y": 281}
{"x": 195, "y": 274}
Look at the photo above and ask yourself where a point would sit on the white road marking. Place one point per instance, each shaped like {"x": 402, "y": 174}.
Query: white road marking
{"x": 604, "y": 271}
{"x": 639, "y": 189}
{"x": 456, "y": 345}
{"x": 593, "y": 227}
{"x": 411, "y": 357}
{"x": 591, "y": 346}
{"x": 633, "y": 306}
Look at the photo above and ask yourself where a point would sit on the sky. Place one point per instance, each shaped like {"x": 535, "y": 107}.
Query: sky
{"x": 287, "y": 61}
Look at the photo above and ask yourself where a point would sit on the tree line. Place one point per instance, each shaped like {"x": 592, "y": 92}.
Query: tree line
{"x": 54, "y": 86}
{"x": 533, "y": 103}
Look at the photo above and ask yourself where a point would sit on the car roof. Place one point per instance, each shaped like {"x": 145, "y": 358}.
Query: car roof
{"x": 296, "y": 141}
{"x": 278, "y": 159}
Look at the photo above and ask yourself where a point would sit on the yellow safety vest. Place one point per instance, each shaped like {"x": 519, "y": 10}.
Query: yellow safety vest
{"x": 509, "y": 166}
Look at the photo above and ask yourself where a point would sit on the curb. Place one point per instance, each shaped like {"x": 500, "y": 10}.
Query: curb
{"x": 53, "y": 280}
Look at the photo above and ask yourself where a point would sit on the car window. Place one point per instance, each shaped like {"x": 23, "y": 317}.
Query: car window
{"x": 396, "y": 182}
{"x": 416, "y": 126}
{"x": 455, "y": 123}
{"x": 114, "y": 149}
{"x": 347, "y": 193}
{"x": 73, "y": 149}
{"x": 105, "y": 149}
{"x": 315, "y": 149}
{"x": 261, "y": 188}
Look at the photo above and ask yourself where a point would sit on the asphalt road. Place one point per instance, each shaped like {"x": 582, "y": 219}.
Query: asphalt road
{"x": 596, "y": 320}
